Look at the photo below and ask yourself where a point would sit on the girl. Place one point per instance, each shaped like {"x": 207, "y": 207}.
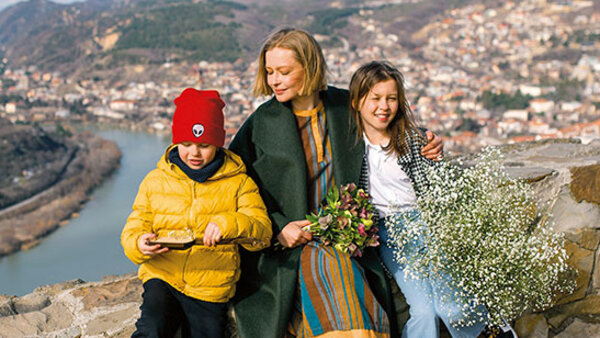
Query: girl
{"x": 394, "y": 169}
{"x": 296, "y": 146}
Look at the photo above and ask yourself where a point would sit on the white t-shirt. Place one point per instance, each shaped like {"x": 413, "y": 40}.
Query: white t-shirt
{"x": 389, "y": 186}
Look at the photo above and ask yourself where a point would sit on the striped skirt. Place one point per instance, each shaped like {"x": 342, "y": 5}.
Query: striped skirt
{"x": 334, "y": 299}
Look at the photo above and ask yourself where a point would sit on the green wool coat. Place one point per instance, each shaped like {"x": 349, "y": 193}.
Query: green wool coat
{"x": 270, "y": 146}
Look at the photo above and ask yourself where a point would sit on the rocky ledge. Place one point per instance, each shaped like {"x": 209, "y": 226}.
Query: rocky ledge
{"x": 565, "y": 171}
{"x": 74, "y": 309}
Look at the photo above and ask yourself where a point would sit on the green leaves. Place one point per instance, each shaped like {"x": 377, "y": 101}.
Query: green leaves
{"x": 345, "y": 221}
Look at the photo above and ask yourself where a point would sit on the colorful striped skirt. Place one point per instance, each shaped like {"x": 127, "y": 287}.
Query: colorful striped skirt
{"x": 334, "y": 299}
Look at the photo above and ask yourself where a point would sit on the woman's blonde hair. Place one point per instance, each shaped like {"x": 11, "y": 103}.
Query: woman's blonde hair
{"x": 363, "y": 80}
{"x": 307, "y": 52}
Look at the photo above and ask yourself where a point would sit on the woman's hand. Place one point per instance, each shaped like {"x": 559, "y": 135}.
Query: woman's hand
{"x": 293, "y": 235}
{"x": 212, "y": 234}
{"x": 147, "y": 249}
{"x": 434, "y": 147}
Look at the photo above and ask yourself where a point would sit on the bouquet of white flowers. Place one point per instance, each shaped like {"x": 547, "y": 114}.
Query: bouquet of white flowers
{"x": 483, "y": 235}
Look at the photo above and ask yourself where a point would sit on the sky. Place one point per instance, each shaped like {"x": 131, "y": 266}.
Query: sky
{"x": 6, "y": 3}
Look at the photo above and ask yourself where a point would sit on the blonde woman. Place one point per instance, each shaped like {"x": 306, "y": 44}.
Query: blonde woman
{"x": 296, "y": 146}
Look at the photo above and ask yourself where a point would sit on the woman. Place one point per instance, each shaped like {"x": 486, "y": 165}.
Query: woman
{"x": 296, "y": 146}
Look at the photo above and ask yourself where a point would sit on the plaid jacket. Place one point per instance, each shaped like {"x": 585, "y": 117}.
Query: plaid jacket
{"x": 412, "y": 162}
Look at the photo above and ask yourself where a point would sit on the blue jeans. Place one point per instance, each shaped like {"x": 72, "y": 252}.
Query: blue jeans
{"x": 420, "y": 294}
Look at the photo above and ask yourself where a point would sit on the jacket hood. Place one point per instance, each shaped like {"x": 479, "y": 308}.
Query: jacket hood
{"x": 232, "y": 165}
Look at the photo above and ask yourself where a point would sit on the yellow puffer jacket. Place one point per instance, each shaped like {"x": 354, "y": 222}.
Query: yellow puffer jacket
{"x": 168, "y": 200}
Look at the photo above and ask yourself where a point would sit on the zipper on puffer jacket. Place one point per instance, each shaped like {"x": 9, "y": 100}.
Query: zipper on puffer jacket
{"x": 191, "y": 218}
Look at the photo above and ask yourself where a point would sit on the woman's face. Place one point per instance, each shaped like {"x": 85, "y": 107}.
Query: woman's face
{"x": 285, "y": 75}
{"x": 379, "y": 107}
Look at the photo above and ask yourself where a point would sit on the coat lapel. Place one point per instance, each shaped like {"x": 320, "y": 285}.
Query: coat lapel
{"x": 281, "y": 159}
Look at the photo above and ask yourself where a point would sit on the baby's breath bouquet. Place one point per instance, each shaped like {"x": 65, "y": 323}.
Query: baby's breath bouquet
{"x": 484, "y": 236}
{"x": 345, "y": 221}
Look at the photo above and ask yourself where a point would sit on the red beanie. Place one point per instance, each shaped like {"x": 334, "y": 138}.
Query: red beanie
{"x": 199, "y": 117}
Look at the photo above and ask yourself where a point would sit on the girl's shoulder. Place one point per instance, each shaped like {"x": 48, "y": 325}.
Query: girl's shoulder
{"x": 415, "y": 137}
{"x": 415, "y": 141}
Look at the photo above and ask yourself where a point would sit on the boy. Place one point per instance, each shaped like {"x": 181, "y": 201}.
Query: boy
{"x": 201, "y": 189}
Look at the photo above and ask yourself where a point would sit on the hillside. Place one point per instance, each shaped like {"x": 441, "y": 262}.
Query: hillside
{"x": 32, "y": 161}
{"x": 104, "y": 34}
{"x": 46, "y": 178}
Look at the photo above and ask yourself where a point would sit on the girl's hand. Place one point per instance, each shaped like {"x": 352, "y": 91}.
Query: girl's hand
{"x": 434, "y": 147}
{"x": 212, "y": 234}
{"x": 293, "y": 234}
{"x": 147, "y": 249}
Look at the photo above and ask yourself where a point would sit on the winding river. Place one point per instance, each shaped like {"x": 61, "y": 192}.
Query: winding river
{"x": 89, "y": 246}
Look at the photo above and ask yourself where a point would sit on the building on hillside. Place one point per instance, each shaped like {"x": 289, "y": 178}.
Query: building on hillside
{"x": 510, "y": 126}
{"x": 106, "y": 112}
{"x": 531, "y": 90}
{"x": 122, "y": 105}
{"x": 10, "y": 107}
{"x": 516, "y": 114}
{"x": 521, "y": 138}
{"x": 570, "y": 106}
{"x": 583, "y": 131}
{"x": 541, "y": 106}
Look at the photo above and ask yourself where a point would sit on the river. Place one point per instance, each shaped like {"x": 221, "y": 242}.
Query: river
{"x": 89, "y": 246}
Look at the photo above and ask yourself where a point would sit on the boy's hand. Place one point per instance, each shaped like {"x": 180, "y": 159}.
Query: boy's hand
{"x": 434, "y": 147}
{"x": 212, "y": 234}
{"x": 147, "y": 249}
{"x": 293, "y": 234}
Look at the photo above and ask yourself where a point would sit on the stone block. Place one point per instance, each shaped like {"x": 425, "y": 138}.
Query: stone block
{"x": 70, "y": 332}
{"x": 585, "y": 183}
{"x": 532, "y": 326}
{"x": 59, "y": 317}
{"x": 587, "y": 307}
{"x": 125, "y": 332}
{"x": 108, "y": 323}
{"x": 530, "y": 174}
{"x": 31, "y": 302}
{"x": 570, "y": 216}
{"x": 6, "y": 306}
{"x": 28, "y": 324}
{"x": 583, "y": 261}
{"x": 580, "y": 328}
{"x": 589, "y": 238}
{"x": 111, "y": 293}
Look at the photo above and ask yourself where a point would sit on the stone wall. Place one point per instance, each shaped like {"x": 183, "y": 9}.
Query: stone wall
{"x": 565, "y": 171}
{"x": 568, "y": 172}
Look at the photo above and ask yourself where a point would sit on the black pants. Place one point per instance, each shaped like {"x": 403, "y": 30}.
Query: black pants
{"x": 165, "y": 309}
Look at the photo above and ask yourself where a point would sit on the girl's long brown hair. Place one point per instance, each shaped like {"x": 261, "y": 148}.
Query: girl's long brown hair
{"x": 363, "y": 80}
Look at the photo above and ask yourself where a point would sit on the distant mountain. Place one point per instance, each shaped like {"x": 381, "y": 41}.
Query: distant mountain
{"x": 66, "y": 37}
{"x": 104, "y": 34}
